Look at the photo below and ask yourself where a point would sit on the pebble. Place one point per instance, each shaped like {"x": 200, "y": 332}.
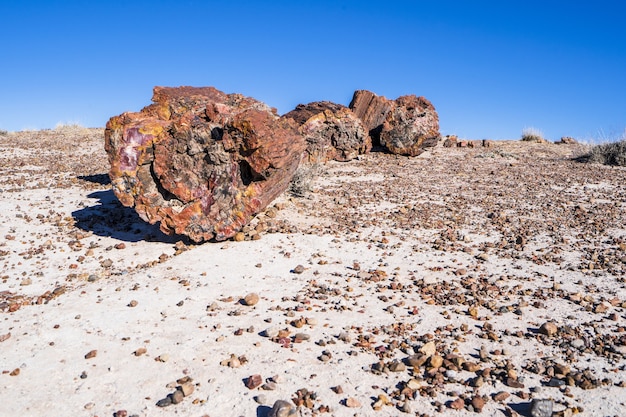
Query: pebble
{"x": 177, "y": 397}
{"x": 253, "y": 381}
{"x": 260, "y": 399}
{"x": 282, "y": 408}
{"x": 298, "y": 269}
{"x": 428, "y": 349}
{"x": 91, "y": 354}
{"x": 548, "y": 328}
{"x": 478, "y": 403}
{"x": 352, "y": 402}
{"x": 541, "y": 408}
{"x": 405, "y": 407}
{"x": 251, "y": 299}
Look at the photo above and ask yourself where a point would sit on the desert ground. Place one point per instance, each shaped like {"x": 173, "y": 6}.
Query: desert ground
{"x": 460, "y": 281}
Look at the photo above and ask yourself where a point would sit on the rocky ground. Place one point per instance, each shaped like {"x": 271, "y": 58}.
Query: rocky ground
{"x": 461, "y": 281}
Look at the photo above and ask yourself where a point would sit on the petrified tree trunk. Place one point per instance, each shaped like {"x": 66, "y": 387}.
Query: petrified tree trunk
{"x": 201, "y": 162}
{"x": 331, "y": 131}
{"x": 405, "y": 126}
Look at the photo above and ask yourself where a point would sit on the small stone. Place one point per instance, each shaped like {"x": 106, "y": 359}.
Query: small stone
{"x": 91, "y": 354}
{"x": 337, "y": 390}
{"x": 271, "y": 332}
{"x": 282, "y": 408}
{"x": 251, "y": 299}
{"x": 513, "y": 383}
{"x": 298, "y": 269}
{"x": 239, "y": 237}
{"x": 397, "y": 366}
{"x": 120, "y": 413}
{"x": 140, "y": 351}
{"x": 26, "y": 281}
{"x": 429, "y": 349}
{"x": 187, "y": 388}
{"x": 413, "y": 384}
{"x": 405, "y": 407}
{"x": 352, "y": 402}
{"x": 120, "y": 246}
{"x": 253, "y": 381}
{"x": 436, "y": 361}
{"x": 416, "y": 360}
{"x": 164, "y": 402}
{"x": 163, "y": 357}
{"x": 541, "y": 408}
{"x": 133, "y": 303}
{"x": 457, "y": 404}
{"x": 260, "y": 399}
{"x": 15, "y": 372}
{"x": 501, "y": 396}
{"x": 177, "y": 396}
{"x": 478, "y": 403}
{"x": 548, "y": 328}
{"x": 471, "y": 366}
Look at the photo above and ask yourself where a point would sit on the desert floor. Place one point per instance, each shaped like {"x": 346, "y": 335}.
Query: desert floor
{"x": 463, "y": 279}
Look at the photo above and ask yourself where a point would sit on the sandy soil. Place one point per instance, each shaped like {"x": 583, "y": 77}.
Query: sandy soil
{"x": 457, "y": 281}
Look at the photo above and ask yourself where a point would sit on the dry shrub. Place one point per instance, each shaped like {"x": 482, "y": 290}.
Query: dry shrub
{"x": 3, "y": 132}
{"x": 530, "y": 134}
{"x": 613, "y": 153}
{"x": 302, "y": 181}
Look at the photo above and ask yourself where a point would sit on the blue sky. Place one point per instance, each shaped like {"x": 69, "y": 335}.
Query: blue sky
{"x": 491, "y": 68}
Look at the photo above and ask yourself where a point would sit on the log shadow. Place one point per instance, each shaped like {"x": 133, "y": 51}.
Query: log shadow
{"x": 109, "y": 218}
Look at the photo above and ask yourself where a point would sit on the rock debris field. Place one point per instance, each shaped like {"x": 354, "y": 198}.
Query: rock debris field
{"x": 462, "y": 281}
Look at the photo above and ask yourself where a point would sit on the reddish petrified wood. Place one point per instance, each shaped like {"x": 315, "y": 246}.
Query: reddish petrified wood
{"x": 405, "y": 126}
{"x": 201, "y": 162}
{"x": 331, "y": 131}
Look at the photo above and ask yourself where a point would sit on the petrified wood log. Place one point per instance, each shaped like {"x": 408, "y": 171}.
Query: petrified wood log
{"x": 331, "y": 131}
{"x": 405, "y": 126}
{"x": 201, "y": 162}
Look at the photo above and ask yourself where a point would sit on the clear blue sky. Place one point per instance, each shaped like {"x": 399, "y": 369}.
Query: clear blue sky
{"x": 491, "y": 68}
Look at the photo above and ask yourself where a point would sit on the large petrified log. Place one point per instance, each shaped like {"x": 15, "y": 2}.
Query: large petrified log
{"x": 331, "y": 131}
{"x": 405, "y": 126}
{"x": 201, "y": 162}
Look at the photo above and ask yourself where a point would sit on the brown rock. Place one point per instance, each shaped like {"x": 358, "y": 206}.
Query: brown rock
{"x": 406, "y": 126}
{"x": 501, "y": 396}
{"x": 410, "y": 127}
{"x": 548, "y": 328}
{"x": 251, "y": 299}
{"x": 372, "y": 110}
{"x": 201, "y": 162}
{"x": 331, "y": 131}
{"x": 282, "y": 408}
{"x": 457, "y": 404}
{"x": 450, "y": 141}
{"x": 253, "y": 381}
{"x": 352, "y": 402}
{"x": 566, "y": 140}
{"x": 91, "y": 354}
{"x": 478, "y": 403}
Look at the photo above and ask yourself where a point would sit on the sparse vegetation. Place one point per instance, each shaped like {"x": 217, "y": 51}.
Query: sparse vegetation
{"x": 530, "y": 134}
{"x": 302, "y": 181}
{"x": 608, "y": 153}
{"x": 69, "y": 128}
{"x": 3, "y": 132}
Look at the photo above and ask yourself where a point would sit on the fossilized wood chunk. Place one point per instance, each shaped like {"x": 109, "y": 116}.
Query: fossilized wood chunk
{"x": 405, "y": 126}
{"x": 331, "y": 131}
{"x": 201, "y": 162}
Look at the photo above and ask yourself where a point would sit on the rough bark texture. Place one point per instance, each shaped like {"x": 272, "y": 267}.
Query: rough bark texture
{"x": 372, "y": 110}
{"x": 201, "y": 162}
{"x": 405, "y": 126}
{"x": 331, "y": 131}
{"x": 410, "y": 127}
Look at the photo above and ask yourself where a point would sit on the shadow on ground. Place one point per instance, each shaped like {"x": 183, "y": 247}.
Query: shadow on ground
{"x": 111, "y": 219}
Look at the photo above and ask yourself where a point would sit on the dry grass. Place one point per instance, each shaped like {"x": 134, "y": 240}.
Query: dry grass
{"x": 608, "y": 153}
{"x": 530, "y": 134}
